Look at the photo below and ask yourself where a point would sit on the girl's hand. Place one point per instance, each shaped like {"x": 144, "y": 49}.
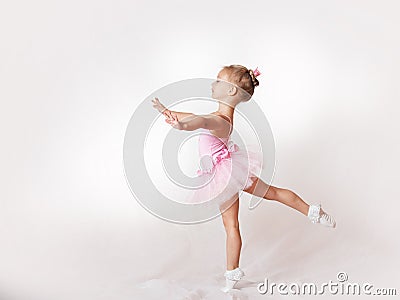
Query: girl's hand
{"x": 172, "y": 119}
{"x": 161, "y": 108}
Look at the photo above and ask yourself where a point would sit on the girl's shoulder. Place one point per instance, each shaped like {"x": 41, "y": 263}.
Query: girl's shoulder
{"x": 219, "y": 133}
{"x": 229, "y": 119}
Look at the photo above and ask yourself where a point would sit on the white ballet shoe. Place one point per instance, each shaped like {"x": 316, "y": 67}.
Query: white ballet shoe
{"x": 317, "y": 215}
{"x": 232, "y": 277}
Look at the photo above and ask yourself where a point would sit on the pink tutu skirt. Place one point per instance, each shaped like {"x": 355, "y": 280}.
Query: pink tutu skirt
{"x": 225, "y": 172}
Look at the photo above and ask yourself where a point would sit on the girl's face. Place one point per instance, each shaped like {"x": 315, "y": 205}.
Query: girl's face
{"x": 221, "y": 86}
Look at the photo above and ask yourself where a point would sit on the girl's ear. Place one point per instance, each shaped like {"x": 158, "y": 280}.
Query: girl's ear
{"x": 232, "y": 91}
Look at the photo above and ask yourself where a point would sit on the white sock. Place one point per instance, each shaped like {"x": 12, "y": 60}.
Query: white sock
{"x": 314, "y": 212}
{"x": 317, "y": 215}
{"x": 232, "y": 277}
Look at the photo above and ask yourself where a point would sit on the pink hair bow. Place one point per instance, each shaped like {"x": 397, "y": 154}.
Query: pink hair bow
{"x": 256, "y": 72}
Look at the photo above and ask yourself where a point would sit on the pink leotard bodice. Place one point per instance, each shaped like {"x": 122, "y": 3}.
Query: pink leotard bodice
{"x": 225, "y": 167}
{"x": 215, "y": 148}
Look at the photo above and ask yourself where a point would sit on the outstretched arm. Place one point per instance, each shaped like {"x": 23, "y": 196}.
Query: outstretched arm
{"x": 193, "y": 122}
{"x": 166, "y": 112}
{"x": 189, "y": 121}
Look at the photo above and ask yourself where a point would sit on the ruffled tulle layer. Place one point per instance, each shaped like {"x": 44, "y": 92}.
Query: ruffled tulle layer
{"x": 227, "y": 177}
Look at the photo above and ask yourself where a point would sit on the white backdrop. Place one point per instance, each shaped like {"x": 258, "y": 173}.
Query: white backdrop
{"x": 71, "y": 76}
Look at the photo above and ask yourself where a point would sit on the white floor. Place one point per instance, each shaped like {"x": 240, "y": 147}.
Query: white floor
{"x": 107, "y": 258}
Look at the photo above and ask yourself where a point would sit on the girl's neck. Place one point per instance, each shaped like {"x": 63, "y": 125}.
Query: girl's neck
{"x": 225, "y": 109}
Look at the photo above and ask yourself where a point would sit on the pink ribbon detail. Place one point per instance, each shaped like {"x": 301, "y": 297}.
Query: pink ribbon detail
{"x": 220, "y": 155}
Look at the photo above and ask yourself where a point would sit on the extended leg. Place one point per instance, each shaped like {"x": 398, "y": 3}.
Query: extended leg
{"x": 260, "y": 189}
{"x": 314, "y": 212}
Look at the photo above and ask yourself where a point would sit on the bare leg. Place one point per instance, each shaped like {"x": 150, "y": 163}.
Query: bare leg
{"x": 230, "y": 215}
{"x": 233, "y": 238}
{"x": 285, "y": 196}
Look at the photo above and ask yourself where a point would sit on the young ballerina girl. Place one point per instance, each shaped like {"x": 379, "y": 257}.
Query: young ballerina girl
{"x": 233, "y": 169}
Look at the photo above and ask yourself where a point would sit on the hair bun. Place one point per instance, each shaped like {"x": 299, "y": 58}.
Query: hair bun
{"x": 253, "y": 77}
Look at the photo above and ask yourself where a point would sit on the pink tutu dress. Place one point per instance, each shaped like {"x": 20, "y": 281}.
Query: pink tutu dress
{"x": 225, "y": 169}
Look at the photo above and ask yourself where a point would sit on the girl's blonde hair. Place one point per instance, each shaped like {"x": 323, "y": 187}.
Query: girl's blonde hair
{"x": 242, "y": 77}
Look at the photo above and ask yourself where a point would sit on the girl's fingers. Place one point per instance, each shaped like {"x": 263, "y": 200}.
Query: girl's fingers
{"x": 170, "y": 117}
{"x": 156, "y": 101}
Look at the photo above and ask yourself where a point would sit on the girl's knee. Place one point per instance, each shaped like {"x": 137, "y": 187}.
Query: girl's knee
{"x": 231, "y": 226}
{"x": 273, "y": 193}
